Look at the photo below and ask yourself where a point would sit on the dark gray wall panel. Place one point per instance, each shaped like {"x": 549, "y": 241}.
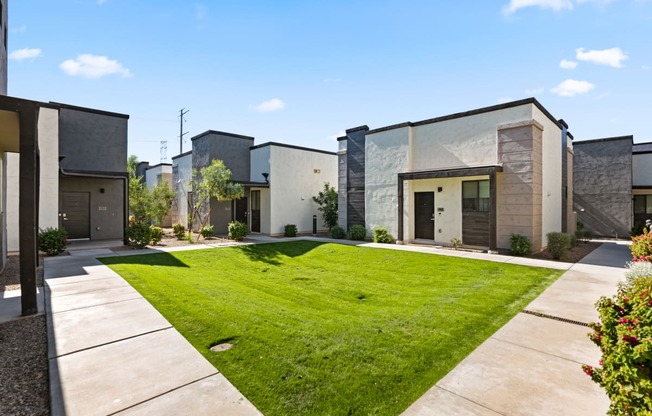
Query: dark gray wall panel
{"x": 106, "y": 208}
{"x": 92, "y": 141}
{"x": 602, "y": 186}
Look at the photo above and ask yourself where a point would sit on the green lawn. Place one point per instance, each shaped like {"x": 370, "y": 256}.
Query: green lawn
{"x": 328, "y": 328}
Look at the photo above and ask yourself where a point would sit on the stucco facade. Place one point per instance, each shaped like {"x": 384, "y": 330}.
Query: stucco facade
{"x": 295, "y": 175}
{"x": 279, "y": 182}
{"x": 511, "y": 152}
{"x": 157, "y": 174}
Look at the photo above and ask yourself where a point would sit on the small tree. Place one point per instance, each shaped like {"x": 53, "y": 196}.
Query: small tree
{"x": 161, "y": 199}
{"x": 327, "y": 201}
{"x": 213, "y": 181}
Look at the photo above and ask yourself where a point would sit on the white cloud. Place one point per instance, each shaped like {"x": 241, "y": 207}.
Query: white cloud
{"x": 566, "y": 64}
{"x": 572, "y": 87}
{"x": 93, "y": 66}
{"x": 25, "y": 53}
{"x": 274, "y": 104}
{"x": 535, "y": 91}
{"x": 610, "y": 57}
{"x": 19, "y": 29}
{"x": 504, "y": 100}
{"x": 555, "y": 5}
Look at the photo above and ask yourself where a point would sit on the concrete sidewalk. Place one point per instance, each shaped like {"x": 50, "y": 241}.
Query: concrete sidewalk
{"x": 111, "y": 352}
{"x": 531, "y": 366}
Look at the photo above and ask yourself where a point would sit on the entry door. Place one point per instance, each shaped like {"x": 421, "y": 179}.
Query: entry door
{"x": 75, "y": 214}
{"x": 241, "y": 210}
{"x": 424, "y": 215}
{"x": 255, "y": 211}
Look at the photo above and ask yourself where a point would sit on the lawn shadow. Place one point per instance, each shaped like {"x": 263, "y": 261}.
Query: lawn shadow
{"x": 152, "y": 259}
{"x": 271, "y": 253}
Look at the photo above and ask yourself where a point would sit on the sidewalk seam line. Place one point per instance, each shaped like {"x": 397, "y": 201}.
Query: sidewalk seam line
{"x": 137, "y": 296}
{"x": 164, "y": 393}
{"x": 467, "y": 399}
{"x": 112, "y": 342}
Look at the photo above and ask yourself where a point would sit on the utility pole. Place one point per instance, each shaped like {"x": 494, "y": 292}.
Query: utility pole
{"x": 182, "y": 113}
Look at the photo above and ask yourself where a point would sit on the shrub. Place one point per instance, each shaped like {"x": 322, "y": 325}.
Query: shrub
{"x": 637, "y": 269}
{"x": 638, "y": 229}
{"x": 206, "y": 231}
{"x": 290, "y": 230}
{"x": 381, "y": 235}
{"x": 582, "y": 233}
{"x": 573, "y": 240}
{"x": 156, "y": 234}
{"x": 52, "y": 240}
{"x": 237, "y": 230}
{"x": 456, "y": 243}
{"x": 338, "y": 232}
{"x": 558, "y": 244}
{"x": 519, "y": 245}
{"x": 624, "y": 339}
{"x": 139, "y": 233}
{"x": 179, "y": 231}
{"x": 357, "y": 232}
{"x": 641, "y": 247}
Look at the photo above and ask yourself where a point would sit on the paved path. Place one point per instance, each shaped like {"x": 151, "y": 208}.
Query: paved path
{"x": 531, "y": 366}
{"x": 111, "y": 352}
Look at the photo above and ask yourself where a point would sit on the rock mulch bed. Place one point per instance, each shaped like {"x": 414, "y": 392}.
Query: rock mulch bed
{"x": 24, "y": 379}
{"x": 24, "y": 382}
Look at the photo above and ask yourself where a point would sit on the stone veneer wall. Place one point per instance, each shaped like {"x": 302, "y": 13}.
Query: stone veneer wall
{"x": 519, "y": 186}
{"x": 602, "y": 179}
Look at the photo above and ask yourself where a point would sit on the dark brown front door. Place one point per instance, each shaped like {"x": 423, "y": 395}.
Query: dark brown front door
{"x": 476, "y": 213}
{"x": 241, "y": 210}
{"x": 255, "y": 211}
{"x": 75, "y": 214}
{"x": 424, "y": 214}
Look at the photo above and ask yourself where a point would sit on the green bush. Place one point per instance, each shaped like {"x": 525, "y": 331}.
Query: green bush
{"x": 139, "y": 233}
{"x": 624, "y": 339}
{"x": 641, "y": 247}
{"x": 290, "y": 230}
{"x": 52, "y": 240}
{"x": 637, "y": 269}
{"x": 519, "y": 245}
{"x": 581, "y": 233}
{"x": 357, "y": 232}
{"x": 638, "y": 229}
{"x": 206, "y": 231}
{"x": 456, "y": 243}
{"x": 558, "y": 244}
{"x": 156, "y": 234}
{"x": 381, "y": 235}
{"x": 237, "y": 230}
{"x": 179, "y": 231}
{"x": 573, "y": 240}
{"x": 338, "y": 232}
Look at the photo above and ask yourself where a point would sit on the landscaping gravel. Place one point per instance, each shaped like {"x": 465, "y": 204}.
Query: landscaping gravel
{"x": 24, "y": 386}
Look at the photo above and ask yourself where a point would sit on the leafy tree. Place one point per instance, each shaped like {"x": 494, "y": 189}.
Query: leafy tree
{"x": 161, "y": 200}
{"x": 147, "y": 205}
{"x": 213, "y": 181}
{"x": 327, "y": 201}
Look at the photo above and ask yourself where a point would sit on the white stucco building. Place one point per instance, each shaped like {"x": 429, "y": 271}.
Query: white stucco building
{"x": 279, "y": 180}
{"x": 478, "y": 176}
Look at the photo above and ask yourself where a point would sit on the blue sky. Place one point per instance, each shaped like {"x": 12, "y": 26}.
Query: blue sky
{"x": 302, "y": 72}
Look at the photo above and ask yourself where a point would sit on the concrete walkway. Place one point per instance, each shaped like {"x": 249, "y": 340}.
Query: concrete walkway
{"x": 531, "y": 366}
{"x": 111, "y": 352}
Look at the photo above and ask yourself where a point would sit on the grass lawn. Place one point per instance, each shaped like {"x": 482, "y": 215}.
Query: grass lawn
{"x": 332, "y": 329}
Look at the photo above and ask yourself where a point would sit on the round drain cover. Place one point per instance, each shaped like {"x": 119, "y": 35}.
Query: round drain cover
{"x": 221, "y": 347}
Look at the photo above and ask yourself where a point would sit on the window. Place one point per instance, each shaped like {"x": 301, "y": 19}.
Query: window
{"x": 475, "y": 196}
{"x": 642, "y": 204}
